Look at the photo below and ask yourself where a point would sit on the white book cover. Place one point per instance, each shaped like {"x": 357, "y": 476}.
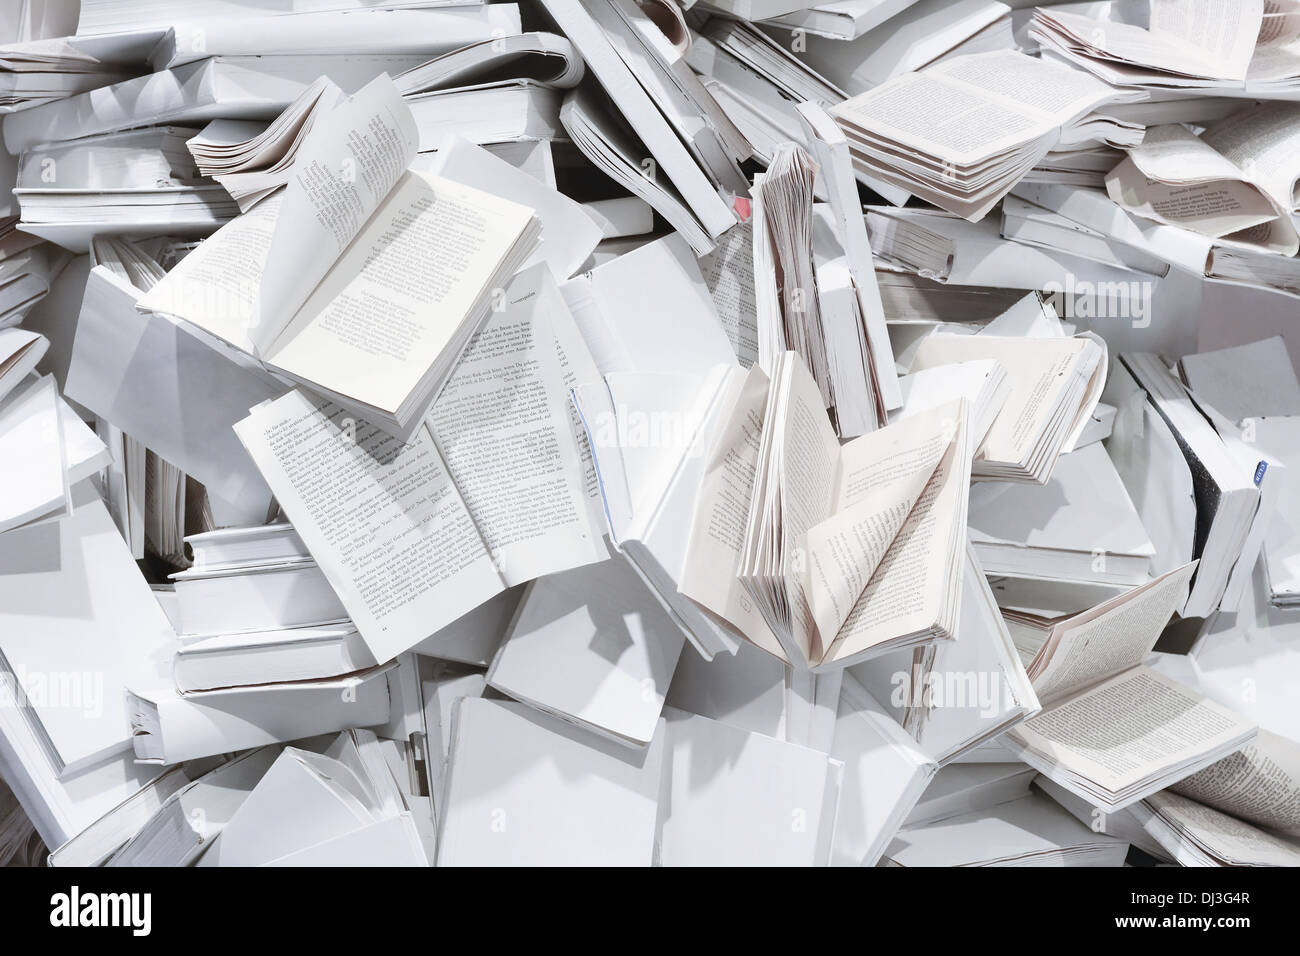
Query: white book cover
{"x": 527, "y": 789}
{"x": 593, "y": 646}
{"x": 732, "y": 798}
{"x": 78, "y": 623}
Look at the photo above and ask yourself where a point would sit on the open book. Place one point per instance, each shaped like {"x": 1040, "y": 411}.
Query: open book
{"x": 1114, "y": 731}
{"x": 414, "y": 536}
{"x": 1240, "y": 811}
{"x": 825, "y": 555}
{"x": 1235, "y": 182}
{"x": 363, "y": 281}
{"x": 961, "y": 133}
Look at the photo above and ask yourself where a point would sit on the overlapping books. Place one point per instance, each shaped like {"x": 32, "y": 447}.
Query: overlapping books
{"x": 645, "y": 433}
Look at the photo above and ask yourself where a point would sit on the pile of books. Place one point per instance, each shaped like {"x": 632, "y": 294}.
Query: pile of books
{"x": 587, "y": 432}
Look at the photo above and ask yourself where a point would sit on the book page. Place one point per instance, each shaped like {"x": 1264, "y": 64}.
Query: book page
{"x": 1175, "y": 177}
{"x": 1110, "y": 638}
{"x": 1259, "y": 783}
{"x": 880, "y": 479}
{"x": 911, "y": 586}
{"x": 1037, "y": 375}
{"x": 502, "y": 426}
{"x": 577, "y": 367}
{"x": 729, "y": 273}
{"x": 1219, "y": 34}
{"x": 1130, "y": 728}
{"x": 807, "y": 462}
{"x": 974, "y": 107}
{"x": 215, "y": 287}
{"x": 383, "y": 520}
{"x": 1263, "y": 141}
{"x": 377, "y": 323}
{"x": 717, "y": 537}
{"x": 348, "y": 163}
{"x": 1223, "y": 836}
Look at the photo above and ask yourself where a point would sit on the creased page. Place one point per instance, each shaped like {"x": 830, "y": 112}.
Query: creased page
{"x": 1259, "y": 783}
{"x": 1263, "y": 141}
{"x": 908, "y": 590}
{"x": 729, "y": 273}
{"x": 722, "y": 507}
{"x": 1110, "y": 638}
{"x": 373, "y": 329}
{"x": 1224, "y": 837}
{"x": 348, "y": 163}
{"x": 383, "y": 520}
{"x": 881, "y": 477}
{"x": 577, "y": 368}
{"x": 1220, "y": 34}
{"x": 1129, "y": 728}
{"x": 1178, "y": 179}
{"x": 503, "y": 428}
{"x": 809, "y": 458}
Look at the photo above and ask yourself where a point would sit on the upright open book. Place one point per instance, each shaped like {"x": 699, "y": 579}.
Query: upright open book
{"x": 825, "y": 555}
{"x": 363, "y": 281}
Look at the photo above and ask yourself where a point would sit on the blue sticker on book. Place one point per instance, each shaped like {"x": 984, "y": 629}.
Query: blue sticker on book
{"x": 1259, "y": 471}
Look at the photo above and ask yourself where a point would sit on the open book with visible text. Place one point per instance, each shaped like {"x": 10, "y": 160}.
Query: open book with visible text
{"x": 825, "y": 555}
{"x": 1112, "y": 730}
{"x": 362, "y": 281}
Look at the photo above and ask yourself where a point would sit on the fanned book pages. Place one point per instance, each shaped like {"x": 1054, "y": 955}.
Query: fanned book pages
{"x": 1054, "y": 386}
{"x": 797, "y": 540}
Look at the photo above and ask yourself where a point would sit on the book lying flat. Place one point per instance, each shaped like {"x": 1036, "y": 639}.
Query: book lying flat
{"x": 1080, "y": 526}
{"x": 229, "y": 87}
{"x": 964, "y": 788}
{"x": 527, "y": 789}
{"x": 259, "y": 597}
{"x": 312, "y": 652}
{"x": 1112, "y": 730}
